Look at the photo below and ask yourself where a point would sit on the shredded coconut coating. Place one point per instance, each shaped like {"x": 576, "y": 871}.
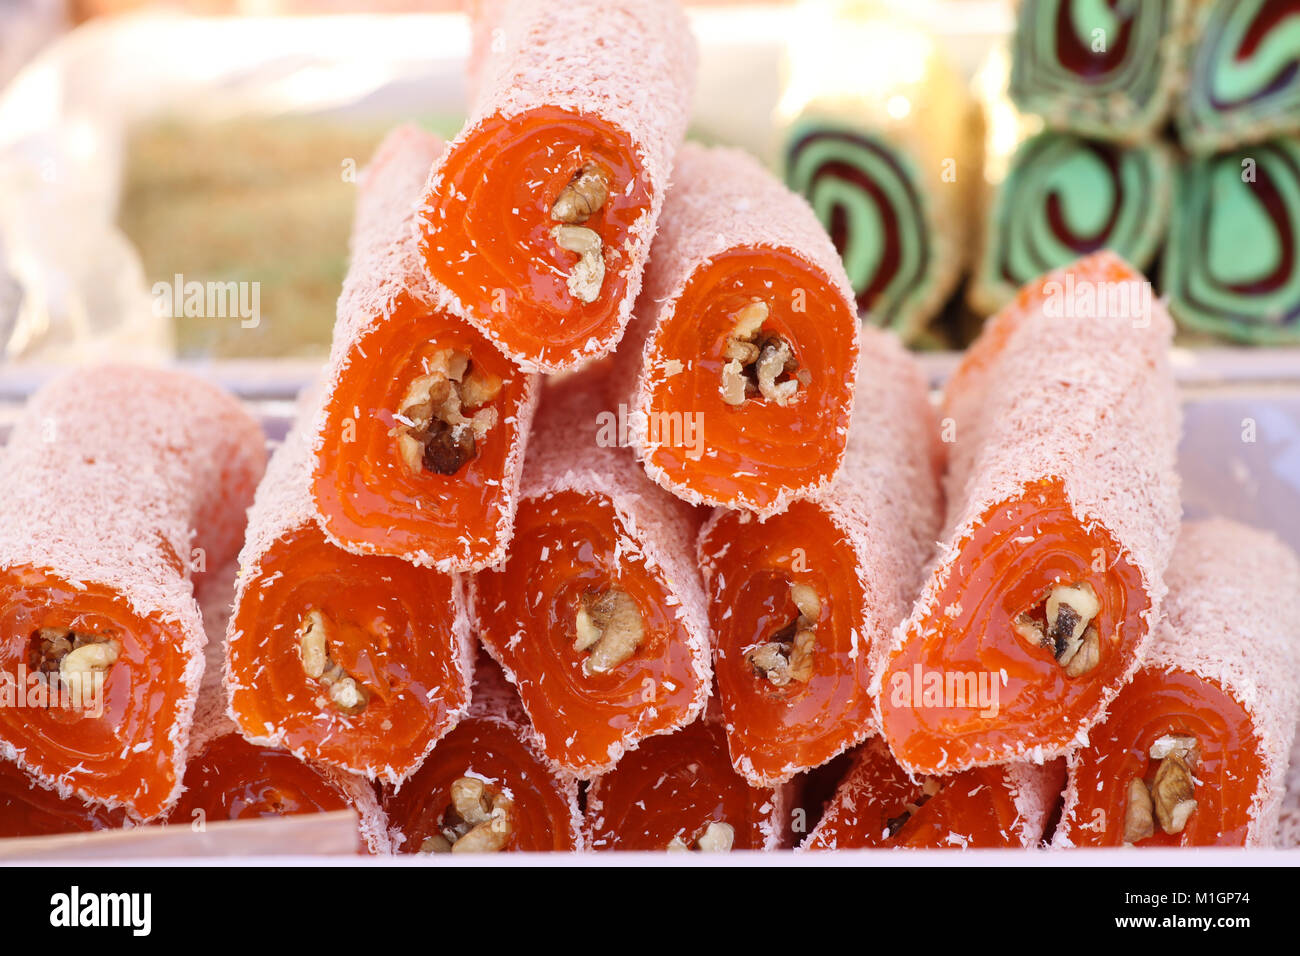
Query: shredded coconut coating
{"x": 565, "y": 455}
{"x": 131, "y": 480}
{"x": 282, "y": 506}
{"x": 886, "y": 501}
{"x": 1233, "y": 616}
{"x": 387, "y": 269}
{"x": 1089, "y": 400}
{"x": 629, "y": 62}
{"x": 1288, "y": 827}
{"x": 722, "y": 199}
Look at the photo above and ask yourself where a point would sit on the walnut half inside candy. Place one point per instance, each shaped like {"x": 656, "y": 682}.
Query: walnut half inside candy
{"x": 789, "y": 655}
{"x": 1062, "y": 622}
{"x": 433, "y": 432}
{"x": 479, "y": 819}
{"x": 1168, "y": 796}
{"x": 759, "y": 362}
{"x": 314, "y": 635}
{"x": 609, "y": 628}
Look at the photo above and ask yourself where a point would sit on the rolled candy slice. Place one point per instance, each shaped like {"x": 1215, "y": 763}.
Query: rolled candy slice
{"x": 1231, "y": 265}
{"x": 28, "y": 809}
{"x": 747, "y": 341}
{"x": 486, "y": 787}
{"x": 1288, "y": 827}
{"x": 120, "y": 484}
{"x": 880, "y": 805}
{"x": 1063, "y": 508}
{"x": 1064, "y": 197}
{"x": 680, "y": 793}
{"x": 539, "y": 216}
{"x": 419, "y": 444}
{"x": 801, "y": 605}
{"x": 1194, "y": 750}
{"x": 1242, "y": 83}
{"x": 878, "y": 135}
{"x": 1097, "y": 69}
{"x": 357, "y": 661}
{"x": 598, "y": 614}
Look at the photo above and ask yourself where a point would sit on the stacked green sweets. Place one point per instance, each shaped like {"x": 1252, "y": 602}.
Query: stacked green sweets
{"x": 1169, "y": 135}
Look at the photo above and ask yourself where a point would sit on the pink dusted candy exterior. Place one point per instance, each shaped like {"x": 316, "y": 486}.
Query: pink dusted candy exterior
{"x": 1038, "y": 387}
{"x": 1288, "y": 827}
{"x": 630, "y": 63}
{"x": 1233, "y": 616}
{"x": 722, "y": 199}
{"x": 283, "y": 506}
{"x": 127, "y": 479}
{"x": 567, "y": 453}
{"x": 886, "y": 501}
{"x": 386, "y": 270}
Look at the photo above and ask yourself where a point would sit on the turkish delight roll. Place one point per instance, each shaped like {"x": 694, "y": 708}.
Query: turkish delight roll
{"x": 1105, "y": 70}
{"x": 1063, "y": 423}
{"x": 419, "y": 444}
{"x": 878, "y": 133}
{"x": 598, "y": 614}
{"x": 802, "y": 604}
{"x": 880, "y": 805}
{"x": 747, "y": 340}
{"x": 486, "y": 788}
{"x": 1231, "y": 266}
{"x": 121, "y": 485}
{"x": 360, "y": 662}
{"x": 679, "y": 793}
{"x": 539, "y": 216}
{"x": 1194, "y": 751}
{"x": 1242, "y": 83}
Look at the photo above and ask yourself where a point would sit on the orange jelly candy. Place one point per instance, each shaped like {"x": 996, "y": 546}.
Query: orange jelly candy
{"x": 776, "y": 730}
{"x": 500, "y": 259}
{"x": 567, "y": 547}
{"x": 455, "y": 516}
{"x": 29, "y": 810}
{"x": 388, "y": 625}
{"x": 1154, "y": 704}
{"x": 966, "y": 685}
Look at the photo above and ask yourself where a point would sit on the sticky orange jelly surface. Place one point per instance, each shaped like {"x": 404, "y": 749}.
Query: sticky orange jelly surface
{"x": 391, "y": 631}
{"x": 490, "y": 748}
{"x": 1007, "y": 566}
{"x": 566, "y": 545}
{"x": 119, "y": 740}
{"x": 757, "y": 449}
{"x": 974, "y": 808}
{"x": 366, "y": 495}
{"x": 749, "y": 569}
{"x": 675, "y": 786}
{"x": 488, "y": 234}
{"x": 1228, "y": 770}
{"x": 28, "y": 810}
{"x": 231, "y": 779}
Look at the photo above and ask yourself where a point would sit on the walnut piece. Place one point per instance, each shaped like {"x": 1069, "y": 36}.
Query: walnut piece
{"x": 1138, "y": 824}
{"x": 1169, "y": 797}
{"x": 790, "y": 655}
{"x": 77, "y": 657}
{"x": 588, "y": 273}
{"x": 716, "y": 838}
{"x": 479, "y": 819}
{"x": 608, "y": 627}
{"x": 758, "y": 363}
{"x": 433, "y": 432}
{"x": 583, "y": 196}
{"x": 314, "y": 634}
{"x": 1062, "y": 622}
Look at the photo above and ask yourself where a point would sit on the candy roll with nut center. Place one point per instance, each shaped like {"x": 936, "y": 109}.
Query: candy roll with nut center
{"x": 1109, "y": 71}
{"x": 1062, "y": 424}
{"x": 877, "y": 133}
{"x": 1242, "y": 83}
{"x": 361, "y": 662}
{"x": 680, "y": 794}
{"x": 419, "y": 441}
{"x": 598, "y": 614}
{"x": 1230, "y": 269}
{"x": 880, "y": 805}
{"x": 1052, "y": 197}
{"x": 486, "y": 788}
{"x": 539, "y": 216}
{"x": 1194, "y": 750}
{"x": 744, "y": 352}
{"x": 121, "y": 484}
{"x": 802, "y": 604}
{"x": 227, "y": 778}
